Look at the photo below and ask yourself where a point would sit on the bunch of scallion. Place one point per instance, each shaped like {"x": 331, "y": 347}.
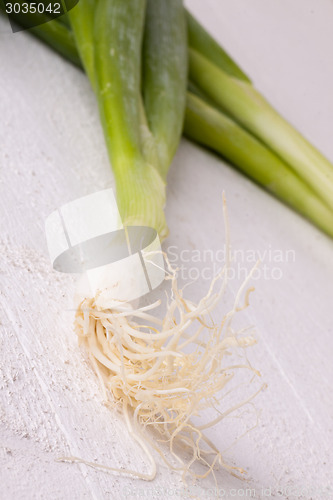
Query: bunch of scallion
{"x": 135, "y": 55}
{"x": 157, "y": 73}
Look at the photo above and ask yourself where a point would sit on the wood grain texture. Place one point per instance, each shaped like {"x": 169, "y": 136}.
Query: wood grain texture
{"x": 52, "y": 151}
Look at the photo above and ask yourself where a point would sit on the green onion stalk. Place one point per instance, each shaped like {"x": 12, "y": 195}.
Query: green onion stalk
{"x": 242, "y": 102}
{"x": 211, "y": 128}
{"x": 135, "y": 54}
{"x": 142, "y": 129}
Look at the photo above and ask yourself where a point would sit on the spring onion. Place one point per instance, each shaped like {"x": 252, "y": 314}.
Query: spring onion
{"x": 301, "y": 197}
{"x": 248, "y": 107}
{"x": 166, "y": 372}
{"x": 147, "y": 369}
{"x": 116, "y": 76}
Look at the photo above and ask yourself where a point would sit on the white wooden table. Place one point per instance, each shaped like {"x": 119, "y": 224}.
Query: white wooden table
{"x": 51, "y": 152}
